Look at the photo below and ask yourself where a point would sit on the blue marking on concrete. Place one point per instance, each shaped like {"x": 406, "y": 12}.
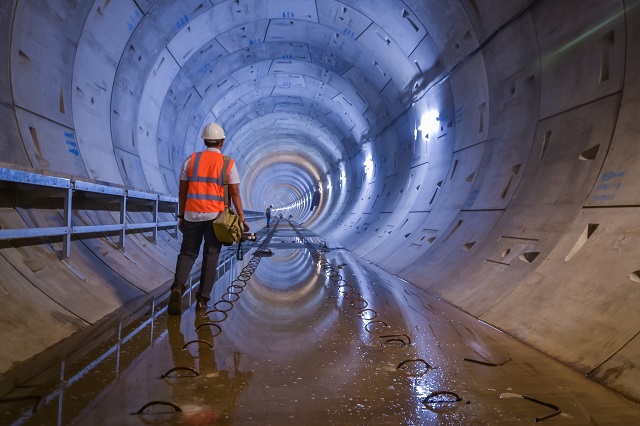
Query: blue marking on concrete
{"x": 611, "y": 175}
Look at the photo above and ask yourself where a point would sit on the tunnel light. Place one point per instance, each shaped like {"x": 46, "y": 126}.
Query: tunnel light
{"x": 429, "y": 122}
{"x": 343, "y": 175}
{"x": 368, "y": 164}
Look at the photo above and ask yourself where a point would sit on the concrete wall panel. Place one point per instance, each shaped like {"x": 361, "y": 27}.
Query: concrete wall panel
{"x": 133, "y": 264}
{"x": 439, "y": 153}
{"x": 514, "y": 98}
{"x": 131, "y": 169}
{"x": 83, "y": 285}
{"x": 390, "y": 59}
{"x": 11, "y": 148}
{"x": 488, "y": 15}
{"x": 195, "y": 32}
{"x": 43, "y": 45}
{"x": 395, "y": 19}
{"x": 410, "y": 241}
{"x": 547, "y": 200}
{"x": 371, "y": 231}
{"x": 101, "y": 43}
{"x": 471, "y": 97}
{"x": 345, "y": 20}
{"x": 243, "y": 36}
{"x": 619, "y": 372}
{"x": 452, "y": 32}
{"x": 429, "y": 69}
{"x": 580, "y": 304}
{"x": 453, "y": 191}
{"x": 581, "y": 59}
{"x": 455, "y": 251}
{"x": 25, "y": 336}
{"x": 50, "y": 146}
{"x": 155, "y": 90}
{"x": 570, "y": 149}
{"x": 617, "y": 182}
{"x": 6, "y": 16}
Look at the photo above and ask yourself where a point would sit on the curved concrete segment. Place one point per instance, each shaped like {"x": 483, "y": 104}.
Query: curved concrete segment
{"x": 484, "y": 151}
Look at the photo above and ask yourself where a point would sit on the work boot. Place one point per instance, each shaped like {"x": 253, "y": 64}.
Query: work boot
{"x": 175, "y": 300}
{"x": 201, "y": 304}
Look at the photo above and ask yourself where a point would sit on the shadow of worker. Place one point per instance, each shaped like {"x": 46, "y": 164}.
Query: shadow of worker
{"x": 205, "y": 394}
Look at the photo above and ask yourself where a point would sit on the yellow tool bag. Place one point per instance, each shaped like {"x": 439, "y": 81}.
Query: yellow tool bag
{"x": 227, "y": 226}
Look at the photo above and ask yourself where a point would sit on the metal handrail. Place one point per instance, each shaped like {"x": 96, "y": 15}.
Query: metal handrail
{"x": 72, "y": 186}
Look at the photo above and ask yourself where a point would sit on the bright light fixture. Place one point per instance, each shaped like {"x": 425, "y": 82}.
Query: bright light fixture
{"x": 429, "y": 122}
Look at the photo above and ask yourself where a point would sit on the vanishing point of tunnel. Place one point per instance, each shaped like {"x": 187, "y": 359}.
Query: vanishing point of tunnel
{"x": 455, "y": 236}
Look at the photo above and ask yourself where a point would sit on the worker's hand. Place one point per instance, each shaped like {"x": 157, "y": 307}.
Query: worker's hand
{"x": 245, "y": 225}
{"x": 180, "y": 222}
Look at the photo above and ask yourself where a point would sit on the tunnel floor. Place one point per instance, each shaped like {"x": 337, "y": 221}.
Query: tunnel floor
{"x": 313, "y": 336}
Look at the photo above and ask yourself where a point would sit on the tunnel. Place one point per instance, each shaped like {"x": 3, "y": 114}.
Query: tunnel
{"x": 437, "y": 170}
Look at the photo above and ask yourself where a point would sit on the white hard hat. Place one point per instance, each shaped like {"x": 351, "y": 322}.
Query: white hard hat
{"x": 212, "y": 131}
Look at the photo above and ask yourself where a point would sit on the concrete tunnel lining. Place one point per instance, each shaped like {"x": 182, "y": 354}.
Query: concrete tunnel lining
{"x": 534, "y": 143}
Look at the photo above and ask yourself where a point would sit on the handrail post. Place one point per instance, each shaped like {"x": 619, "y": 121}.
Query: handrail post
{"x": 66, "y": 238}
{"x": 123, "y": 220}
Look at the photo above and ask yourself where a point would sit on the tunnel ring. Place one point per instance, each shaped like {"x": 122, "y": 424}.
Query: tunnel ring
{"x": 215, "y": 305}
{"x": 193, "y": 370}
{"x": 213, "y": 324}
{"x": 149, "y": 404}
{"x": 428, "y": 367}
{"x": 217, "y": 310}
{"x": 364, "y": 312}
{"x": 407, "y": 343}
{"x": 233, "y": 287}
{"x": 353, "y": 295}
{"x": 197, "y": 341}
{"x": 243, "y": 285}
{"x": 343, "y": 287}
{"x": 383, "y": 325}
{"x": 430, "y": 398}
{"x": 236, "y": 295}
{"x": 354, "y": 302}
{"x": 341, "y": 279}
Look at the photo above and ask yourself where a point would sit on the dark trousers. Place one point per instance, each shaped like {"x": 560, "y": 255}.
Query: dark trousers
{"x": 268, "y": 220}
{"x": 192, "y": 235}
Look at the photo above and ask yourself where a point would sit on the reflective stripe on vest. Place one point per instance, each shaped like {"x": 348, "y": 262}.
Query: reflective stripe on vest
{"x": 206, "y": 193}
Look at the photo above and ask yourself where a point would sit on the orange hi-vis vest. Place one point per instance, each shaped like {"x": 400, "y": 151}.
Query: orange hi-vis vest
{"x": 206, "y": 193}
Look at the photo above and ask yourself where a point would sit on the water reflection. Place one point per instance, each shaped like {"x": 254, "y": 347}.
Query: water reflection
{"x": 211, "y": 397}
{"x": 296, "y": 347}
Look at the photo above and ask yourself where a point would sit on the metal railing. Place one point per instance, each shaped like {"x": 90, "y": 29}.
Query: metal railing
{"x": 21, "y": 187}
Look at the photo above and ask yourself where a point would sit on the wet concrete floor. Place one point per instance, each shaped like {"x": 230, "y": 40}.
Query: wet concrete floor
{"x": 310, "y": 336}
